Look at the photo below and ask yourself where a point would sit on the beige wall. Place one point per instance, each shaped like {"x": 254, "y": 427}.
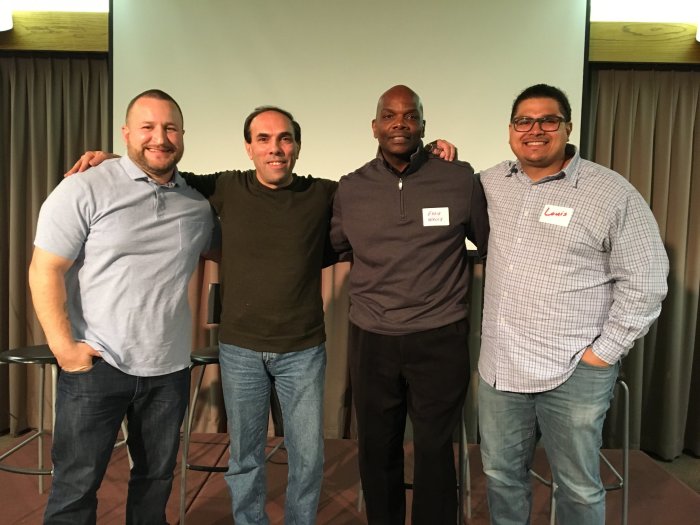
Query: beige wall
{"x": 328, "y": 61}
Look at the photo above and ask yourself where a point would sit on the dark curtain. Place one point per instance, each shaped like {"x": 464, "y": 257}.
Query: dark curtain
{"x": 52, "y": 108}
{"x": 645, "y": 124}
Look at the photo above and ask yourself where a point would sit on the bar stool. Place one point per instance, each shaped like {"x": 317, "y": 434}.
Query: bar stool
{"x": 200, "y": 358}
{"x": 40, "y": 355}
{"x": 33, "y": 355}
{"x": 622, "y": 480}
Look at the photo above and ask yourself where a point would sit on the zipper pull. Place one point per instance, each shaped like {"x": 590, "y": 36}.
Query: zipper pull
{"x": 400, "y": 184}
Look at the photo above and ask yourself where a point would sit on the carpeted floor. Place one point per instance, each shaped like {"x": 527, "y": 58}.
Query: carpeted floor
{"x": 656, "y": 498}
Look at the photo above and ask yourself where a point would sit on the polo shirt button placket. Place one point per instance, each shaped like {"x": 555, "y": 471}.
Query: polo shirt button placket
{"x": 160, "y": 203}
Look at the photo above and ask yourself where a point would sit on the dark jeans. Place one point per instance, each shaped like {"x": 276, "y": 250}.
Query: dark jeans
{"x": 90, "y": 407}
{"x": 424, "y": 374}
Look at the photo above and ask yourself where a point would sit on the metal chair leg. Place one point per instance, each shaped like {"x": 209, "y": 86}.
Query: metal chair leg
{"x": 622, "y": 479}
{"x": 626, "y": 454}
{"x": 553, "y": 505}
{"x": 186, "y": 434}
{"x": 274, "y": 450}
{"x": 54, "y": 384}
{"x": 37, "y": 435}
{"x": 460, "y": 477}
{"x": 189, "y": 416}
{"x": 464, "y": 480}
{"x": 124, "y": 442}
{"x": 40, "y": 439}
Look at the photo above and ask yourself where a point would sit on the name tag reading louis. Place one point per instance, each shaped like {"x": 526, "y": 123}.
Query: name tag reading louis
{"x": 556, "y": 215}
{"x": 436, "y": 216}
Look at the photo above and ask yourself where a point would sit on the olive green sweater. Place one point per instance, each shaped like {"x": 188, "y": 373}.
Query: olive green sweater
{"x": 274, "y": 245}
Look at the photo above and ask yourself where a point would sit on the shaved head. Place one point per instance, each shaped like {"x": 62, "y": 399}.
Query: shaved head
{"x": 399, "y": 125}
{"x": 402, "y": 91}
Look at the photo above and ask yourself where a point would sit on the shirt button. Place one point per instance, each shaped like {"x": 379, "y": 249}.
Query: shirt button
{"x": 510, "y": 266}
{"x": 526, "y": 213}
{"x": 518, "y": 240}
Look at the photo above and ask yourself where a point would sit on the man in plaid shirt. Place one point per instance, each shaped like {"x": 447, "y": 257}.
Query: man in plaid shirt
{"x": 576, "y": 272}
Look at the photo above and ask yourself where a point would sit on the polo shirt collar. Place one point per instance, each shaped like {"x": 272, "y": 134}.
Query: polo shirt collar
{"x": 136, "y": 173}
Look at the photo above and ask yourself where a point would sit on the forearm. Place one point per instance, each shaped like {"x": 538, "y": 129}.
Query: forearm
{"x": 639, "y": 267}
{"x": 51, "y": 306}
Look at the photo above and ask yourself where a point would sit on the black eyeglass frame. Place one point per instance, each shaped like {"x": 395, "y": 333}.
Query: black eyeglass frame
{"x": 549, "y": 119}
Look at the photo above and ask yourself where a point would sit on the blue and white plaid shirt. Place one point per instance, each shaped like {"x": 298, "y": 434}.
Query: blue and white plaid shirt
{"x": 574, "y": 260}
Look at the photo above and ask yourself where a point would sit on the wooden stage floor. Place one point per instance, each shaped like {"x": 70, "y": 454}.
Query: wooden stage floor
{"x": 656, "y": 498}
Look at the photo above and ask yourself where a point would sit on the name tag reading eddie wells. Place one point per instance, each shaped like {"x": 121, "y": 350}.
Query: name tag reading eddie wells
{"x": 556, "y": 215}
{"x": 436, "y": 216}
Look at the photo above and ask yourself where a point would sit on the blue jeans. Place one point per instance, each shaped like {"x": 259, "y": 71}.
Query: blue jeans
{"x": 247, "y": 378}
{"x": 570, "y": 418}
{"x": 90, "y": 407}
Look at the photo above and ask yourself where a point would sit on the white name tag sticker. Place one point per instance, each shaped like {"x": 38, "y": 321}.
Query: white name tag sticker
{"x": 436, "y": 216}
{"x": 556, "y": 215}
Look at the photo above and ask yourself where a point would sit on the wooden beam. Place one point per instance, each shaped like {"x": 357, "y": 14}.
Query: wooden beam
{"x": 636, "y": 42}
{"x": 643, "y": 42}
{"x": 55, "y": 31}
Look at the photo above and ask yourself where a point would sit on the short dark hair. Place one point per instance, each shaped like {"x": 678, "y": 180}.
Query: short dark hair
{"x": 154, "y": 93}
{"x": 263, "y": 109}
{"x": 544, "y": 91}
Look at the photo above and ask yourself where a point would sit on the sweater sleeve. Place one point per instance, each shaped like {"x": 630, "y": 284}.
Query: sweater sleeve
{"x": 204, "y": 184}
{"x": 479, "y": 219}
{"x": 338, "y": 238}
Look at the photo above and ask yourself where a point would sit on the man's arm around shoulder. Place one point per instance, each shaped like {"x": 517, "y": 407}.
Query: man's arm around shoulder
{"x": 479, "y": 227}
{"x": 204, "y": 184}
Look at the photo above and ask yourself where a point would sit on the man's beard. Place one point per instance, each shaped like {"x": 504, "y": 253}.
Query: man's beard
{"x": 139, "y": 157}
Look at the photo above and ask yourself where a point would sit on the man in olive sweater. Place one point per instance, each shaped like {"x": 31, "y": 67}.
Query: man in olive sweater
{"x": 274, "y": 228}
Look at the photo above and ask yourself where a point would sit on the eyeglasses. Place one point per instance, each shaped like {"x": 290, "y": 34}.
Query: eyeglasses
{"x": 549, "y": 123}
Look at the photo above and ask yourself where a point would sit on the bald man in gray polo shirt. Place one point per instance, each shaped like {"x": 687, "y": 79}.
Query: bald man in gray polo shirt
{"x": 114, "y": 251}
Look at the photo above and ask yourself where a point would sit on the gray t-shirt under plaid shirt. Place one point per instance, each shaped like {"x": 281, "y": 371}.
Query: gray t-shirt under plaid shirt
{"x": 574, "y": 260}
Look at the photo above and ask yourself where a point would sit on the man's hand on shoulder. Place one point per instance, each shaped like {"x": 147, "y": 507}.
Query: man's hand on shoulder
{"x": 89, "y": 159}
{"x": 443, "y": 149}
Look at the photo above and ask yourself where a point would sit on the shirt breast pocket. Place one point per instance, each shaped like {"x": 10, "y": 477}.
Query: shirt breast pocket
{"x": 194, "y": 235}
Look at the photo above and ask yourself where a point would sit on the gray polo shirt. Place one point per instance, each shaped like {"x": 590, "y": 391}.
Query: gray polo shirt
{"x": 135, "y": 245}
